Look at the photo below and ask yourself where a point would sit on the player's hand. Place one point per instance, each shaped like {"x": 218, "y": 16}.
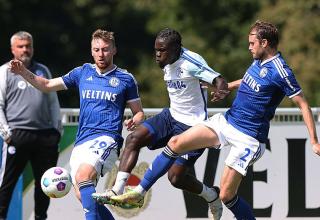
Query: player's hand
{"x": 221, "y": 89}
{"x": 219, "y": 95}
{"x": 16, "y": 66}
{"x": 316, "y": 148}
{"x": 130, "y": 124}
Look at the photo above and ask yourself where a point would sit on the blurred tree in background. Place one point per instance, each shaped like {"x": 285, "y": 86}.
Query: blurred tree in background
{"x": 216, "y": 29}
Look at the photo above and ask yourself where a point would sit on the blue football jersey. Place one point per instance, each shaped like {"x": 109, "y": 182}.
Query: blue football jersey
{"x": 263, "y": 87}
{"x": 103, "y": 100}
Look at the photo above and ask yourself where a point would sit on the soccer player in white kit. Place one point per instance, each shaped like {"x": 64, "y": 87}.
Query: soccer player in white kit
{"x": 183, "y": 72}
{"x": 245, "y": 126}
{"x": 104, "y": 91}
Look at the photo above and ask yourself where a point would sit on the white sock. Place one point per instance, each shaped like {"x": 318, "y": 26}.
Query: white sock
{"x": 121, "y": 181}
{"x": 139, "y": 189}
{"x": 209, "y": 194}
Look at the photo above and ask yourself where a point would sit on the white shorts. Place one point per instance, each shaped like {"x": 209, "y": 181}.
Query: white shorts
{"x": 100, "y": 152}
{"x": 244, "y": 150}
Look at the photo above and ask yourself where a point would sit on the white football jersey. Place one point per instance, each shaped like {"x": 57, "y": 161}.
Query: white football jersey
{"x": 188, "y": 100}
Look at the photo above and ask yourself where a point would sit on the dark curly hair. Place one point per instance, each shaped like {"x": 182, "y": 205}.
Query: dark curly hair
{"x": 172, "y": 36}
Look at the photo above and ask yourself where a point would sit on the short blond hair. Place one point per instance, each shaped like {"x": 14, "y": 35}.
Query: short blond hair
{"x": 104, "y": 35}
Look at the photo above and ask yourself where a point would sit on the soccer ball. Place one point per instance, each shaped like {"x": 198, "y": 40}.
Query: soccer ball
{"x": 56, "y": 182}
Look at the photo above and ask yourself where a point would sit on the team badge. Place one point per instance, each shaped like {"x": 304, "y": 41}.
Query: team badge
{"x": 22, "y": 85}
{"x": 263, "y": 72}
{"x": 114, "y": 81}
{"x": 39, "y": 73}
{"x": 179, "y": 72}
{"x": 11, "y": 150}
{"x": 134, "y": 180}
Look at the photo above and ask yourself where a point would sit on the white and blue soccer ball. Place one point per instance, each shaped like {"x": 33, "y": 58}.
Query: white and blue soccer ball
{"x": 56, "y": 182}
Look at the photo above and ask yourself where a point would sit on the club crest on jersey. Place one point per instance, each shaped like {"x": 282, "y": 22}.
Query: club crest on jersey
{"x": 263, "y": 72}
{"x": 22, "y": 84}
{"x": 114, "y": 81}
{"x": 179, "y": 72}
{"x": 39, "y": 73}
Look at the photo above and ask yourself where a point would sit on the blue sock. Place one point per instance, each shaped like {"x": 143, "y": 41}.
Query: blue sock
{"x": 240, "y": 208}
{"x": 93, "y": 211}
{"x": 104, "y": 213}
{"x": 159, "y": 167}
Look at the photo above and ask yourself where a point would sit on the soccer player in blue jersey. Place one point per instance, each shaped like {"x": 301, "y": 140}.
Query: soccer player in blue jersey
{"x": 244, "y": 127}
{"x": 104, "y": 91}
{"x": 183, "y": 72}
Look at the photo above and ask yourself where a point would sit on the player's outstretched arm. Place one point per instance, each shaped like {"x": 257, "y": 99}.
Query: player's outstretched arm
{"x": 41, "y": 83}
{"x": 234, "y": 84}
{"x": 138, "y": 115}
{"x": 308, "y": 120}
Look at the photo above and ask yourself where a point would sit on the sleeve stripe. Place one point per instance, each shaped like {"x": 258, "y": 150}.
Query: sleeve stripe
{"x": 63, "y": 83}
{"x": 133, "y": 100}
{"x": 283, "y": 73}
{"x": 196, "y": 62}
{"x": 293, "y": 95}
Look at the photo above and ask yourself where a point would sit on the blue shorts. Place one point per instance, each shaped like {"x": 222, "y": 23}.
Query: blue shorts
{"x": 162, "y": 127}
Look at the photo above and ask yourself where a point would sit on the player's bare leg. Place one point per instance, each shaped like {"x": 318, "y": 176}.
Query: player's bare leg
{"x": 194, "y": 138}
{"x": 182, "y": 179}
{"x": 134, "y": 142}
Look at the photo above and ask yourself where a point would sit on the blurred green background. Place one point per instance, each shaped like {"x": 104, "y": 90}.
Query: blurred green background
{"x": 216, "y": 29}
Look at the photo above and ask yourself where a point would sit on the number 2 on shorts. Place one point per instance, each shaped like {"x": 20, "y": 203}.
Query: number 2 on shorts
{"x": 243, "y": 158}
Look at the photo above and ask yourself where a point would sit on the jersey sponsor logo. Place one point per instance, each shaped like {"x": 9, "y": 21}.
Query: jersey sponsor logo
{"x": 263, "y": 72}
{"x": 98, "y": 94}
{"x": 176, "y": 84}
{"x": 114, "y": 81}
{"x": 251, "y": 82}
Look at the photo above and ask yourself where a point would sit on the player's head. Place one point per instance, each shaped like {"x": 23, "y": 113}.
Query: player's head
{"x": 103, "y": 49}
{"x": 263, "y": 38}
{"x": 167, "y": 47}
{"x": 22, "y": 47}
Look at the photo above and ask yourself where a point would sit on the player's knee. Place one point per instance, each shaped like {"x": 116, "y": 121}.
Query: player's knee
{"x": 176, "y": 180}
{"x": 174, "y": 143}
{"x": 80, "y": 177}
{"x": 85, "y": 172}
{"x": 133, "y": 141}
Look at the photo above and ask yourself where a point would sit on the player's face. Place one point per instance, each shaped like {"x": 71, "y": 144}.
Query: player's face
{"x": 164, "y": 53}
{"x": 102, "y": 53}
{"x": 22, "y": 50}
{"x": 255, "y": 46}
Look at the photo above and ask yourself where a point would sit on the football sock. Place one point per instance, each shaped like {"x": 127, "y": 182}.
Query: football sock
{"x": 240, "y": 208}
{"x": 139, "y": 189}
{"x": 104, "y": 213}
{"x": 90, "y": 207}
{"x": 209, "y": 194}
{"x": 121, "y": 181}
{"x": 158, "y": 168}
